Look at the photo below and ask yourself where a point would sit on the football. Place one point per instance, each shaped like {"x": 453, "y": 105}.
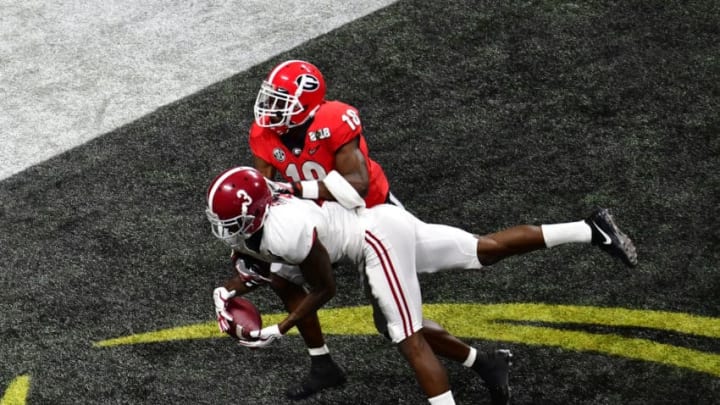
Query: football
{"x": 245, "y": 314}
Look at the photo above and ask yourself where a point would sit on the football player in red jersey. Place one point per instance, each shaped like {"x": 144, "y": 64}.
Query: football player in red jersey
{"x": 317, "y": 145}
{"x": 305, "y": 138}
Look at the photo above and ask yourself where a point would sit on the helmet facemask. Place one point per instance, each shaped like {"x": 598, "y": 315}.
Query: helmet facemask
{"x": 234, "y": 231}
{"x": 276, "y": 108}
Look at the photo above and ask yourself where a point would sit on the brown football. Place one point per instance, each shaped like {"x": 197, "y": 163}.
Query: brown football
{"x": 245, "y": 314}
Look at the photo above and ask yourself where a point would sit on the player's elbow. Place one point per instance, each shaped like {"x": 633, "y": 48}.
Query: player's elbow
{"x": 360, "y": 181}
{"x": 362, "y": 188}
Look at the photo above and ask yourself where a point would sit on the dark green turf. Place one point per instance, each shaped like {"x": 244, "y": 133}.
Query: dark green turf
{"x": 484, "y": 115}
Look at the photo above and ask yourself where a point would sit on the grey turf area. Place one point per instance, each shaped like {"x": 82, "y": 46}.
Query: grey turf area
{"x": 71, "y": 71}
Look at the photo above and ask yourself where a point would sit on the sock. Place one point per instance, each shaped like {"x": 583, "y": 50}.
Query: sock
{"x": 442, "y": 399}
{"x": 481, "y": 363}
{"x": 569, "y": 232}
{"x": 320, "y": 358}
{"x": 318, "y": 351}
{"x": 470, "y": 360}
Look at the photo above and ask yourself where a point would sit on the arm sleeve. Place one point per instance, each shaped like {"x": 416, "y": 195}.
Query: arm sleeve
{"x": 344, "y": 193}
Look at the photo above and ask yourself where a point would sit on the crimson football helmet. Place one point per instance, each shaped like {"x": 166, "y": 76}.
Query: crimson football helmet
{"x": 292, "y": 93}
{"x": 238, "y": 201}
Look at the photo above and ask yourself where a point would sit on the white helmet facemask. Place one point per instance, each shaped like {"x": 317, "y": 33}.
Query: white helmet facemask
{"x": 275, "y": 108}
{"x": 231, "y": 231}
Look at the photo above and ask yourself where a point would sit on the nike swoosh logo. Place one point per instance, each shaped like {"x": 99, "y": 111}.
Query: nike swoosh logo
{"x": 607, "y": 240}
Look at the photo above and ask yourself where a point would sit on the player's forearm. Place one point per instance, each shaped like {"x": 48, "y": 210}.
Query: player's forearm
{"x": 311, "y": 303}
{"x": 356, "y": 182}
{"x": 333, "y": 187}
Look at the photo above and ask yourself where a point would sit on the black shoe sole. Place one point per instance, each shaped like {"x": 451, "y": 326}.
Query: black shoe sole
{"x": 310, "y": 388}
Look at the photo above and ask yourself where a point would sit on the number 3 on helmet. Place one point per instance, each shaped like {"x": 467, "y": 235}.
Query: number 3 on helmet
{"x": 238, "y": 201}
{"x": 292, "y": 93}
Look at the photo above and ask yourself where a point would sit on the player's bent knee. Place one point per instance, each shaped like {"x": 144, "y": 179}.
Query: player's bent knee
{"x": 413, "y": 345}
{"x": 489, "y": 250}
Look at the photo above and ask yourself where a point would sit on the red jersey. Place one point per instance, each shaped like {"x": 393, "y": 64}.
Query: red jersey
{"x": 334, "y": 125}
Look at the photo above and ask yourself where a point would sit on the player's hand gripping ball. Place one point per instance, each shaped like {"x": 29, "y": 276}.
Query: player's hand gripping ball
{"x": 246, "y": 318}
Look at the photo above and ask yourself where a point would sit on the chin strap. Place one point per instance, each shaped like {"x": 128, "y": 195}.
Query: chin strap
{"x": 344, "y": 193}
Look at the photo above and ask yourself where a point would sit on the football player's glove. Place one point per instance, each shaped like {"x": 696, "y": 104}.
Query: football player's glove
{"x": 262, "y": 337}
{"x": 220, "y": 296}
{"x": 249, "y": 269}
{"x": 280, "y": 187}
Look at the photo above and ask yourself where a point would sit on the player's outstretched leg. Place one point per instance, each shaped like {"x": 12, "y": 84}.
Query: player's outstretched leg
{"x": 494, "y": 368}
{"x": 607, "y": 236}
{"x": 599, "y": 229}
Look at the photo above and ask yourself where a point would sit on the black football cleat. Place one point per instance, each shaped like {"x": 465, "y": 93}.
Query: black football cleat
{"x": 607, "y": 236}
{"x": 323, "y": 374}
{"x": 494, "y": 367}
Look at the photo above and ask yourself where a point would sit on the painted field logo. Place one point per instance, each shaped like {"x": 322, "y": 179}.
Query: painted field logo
{"x": 17, "y": 392}
{"x": 523, "y": 323}
{"x": 503, "y": 322}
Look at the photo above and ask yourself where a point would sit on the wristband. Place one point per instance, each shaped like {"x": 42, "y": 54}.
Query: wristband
{"x": 306, "y": 189}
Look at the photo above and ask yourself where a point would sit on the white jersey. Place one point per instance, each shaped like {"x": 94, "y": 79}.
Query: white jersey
{"x": 289, "y": 231}
{"x": 391, "y": 243}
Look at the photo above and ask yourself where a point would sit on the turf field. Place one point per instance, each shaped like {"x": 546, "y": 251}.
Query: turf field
{"x": 484, "y": 115}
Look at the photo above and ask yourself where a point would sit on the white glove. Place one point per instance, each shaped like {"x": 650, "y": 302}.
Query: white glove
{"x": 280, "y": 187}
{"x": 264, "y": 336}
{"x": 220, "y": 296}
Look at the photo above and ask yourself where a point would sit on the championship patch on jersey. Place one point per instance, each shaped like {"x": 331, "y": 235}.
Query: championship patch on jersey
{"x": 322, "y": 133}
{"x": 279, "y": 154}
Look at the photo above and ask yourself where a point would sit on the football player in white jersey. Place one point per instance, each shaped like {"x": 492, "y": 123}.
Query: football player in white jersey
{"x": 249, "y": 214}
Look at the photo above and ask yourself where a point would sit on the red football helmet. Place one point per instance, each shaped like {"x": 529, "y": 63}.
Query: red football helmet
{"x": 291, "y": 93}
{"x": 238, "y": 201}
